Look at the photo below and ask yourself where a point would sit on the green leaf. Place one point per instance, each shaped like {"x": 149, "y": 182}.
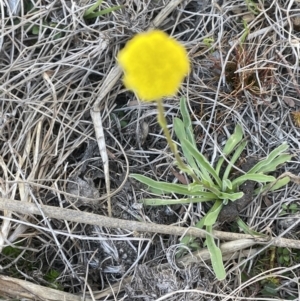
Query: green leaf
{"x": 90, "y": 12}
{"x": 215, "y": 255}
{"x": 231, "y": 143}
{"x": 231, "y": 196}
{"x": 285, "y": 251}
{"x": 260, "y": 178}
{"x": 157, "y": 191}
{"x": 102, "y": 12}
{"x": 233, "y": 140}
{"x": 195, "y": 187}
{"x": 286, "y": 258}
{"x": 180, "y": 133}
{"x": 164, "y": 202}
{"x": 294, "y": 208}
{"x": 276, "y": 152}
{"x": 185, "y": 113}
{"x": 202, "y": 162}
{"x": 246, "y": 228}
{"x": 281, "y": 260}
{"x": 35, "y": 29}
{"x": 187, "y": 121}
{"x": 234, "y": 158}
{"x": 188, "y": 239}
{"x": 272, "y": 187}
{"x": 212, "y": 215}
{"x": 165, "y": 187}
{"x": 179, "y": 129}
{"x": 281, "y": 159}
{"x": 227, "y": 184}
{"x": 92, "y": 8}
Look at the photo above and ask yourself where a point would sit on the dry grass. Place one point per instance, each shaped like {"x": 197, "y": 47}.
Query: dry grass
{"x": 60, "y": 85}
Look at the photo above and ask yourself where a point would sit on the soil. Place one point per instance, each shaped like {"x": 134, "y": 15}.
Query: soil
{"x": 232, "y": 210}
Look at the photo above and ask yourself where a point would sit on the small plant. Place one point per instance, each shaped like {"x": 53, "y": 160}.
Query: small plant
{"x": 11, "y": 252}
{"x": 208, "y": 183}
{"x": 154, "y": 66}
{"x": 268, "y": 260}
{"x": 289, "y": 209}
{"x": 284, "y": 256}
{"x": 51, "y": 278}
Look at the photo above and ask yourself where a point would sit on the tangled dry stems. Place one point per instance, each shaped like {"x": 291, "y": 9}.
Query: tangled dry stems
{"x": 50, "y": 82}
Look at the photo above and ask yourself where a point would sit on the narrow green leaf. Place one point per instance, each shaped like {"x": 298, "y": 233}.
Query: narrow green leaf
{"x": 195, "y": 187}
{"x": 231, "y": 196}
{"x": 246, "y": 228}
{"x": 92, "y": 8}
{"x": 164, "y": 202}
{"x": 201, "y": 173}
{"x": 179, "y": 129}
{"x": 234, "y": 158}
{"x": 165, "y": 187}
{"x": 184, "y": 113}
{"x": 272, "y": 166}
{"x": 157, "y": 191}
{"x": 187, "y": 121}
{"x": 273, "y": 154}
{"x": 260, "y": 178}
{"x": 215, "y": 255}
{"x": 188, "y": 239}
{"x": 233, "y": 140}
{"x": 272, "y": 187}
{"x": 211, "y": 217}
{"x": 102, "y": 12}
{"x": 231, "y": 143}
{"x": 227, "y": 184}
{"x": 280, "y": 183}
{"x": 203, "y": 164}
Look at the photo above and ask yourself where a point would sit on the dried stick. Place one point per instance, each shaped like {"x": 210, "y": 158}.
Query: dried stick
{"x": 16, "y": 288}
{"x": 104, "y": 221}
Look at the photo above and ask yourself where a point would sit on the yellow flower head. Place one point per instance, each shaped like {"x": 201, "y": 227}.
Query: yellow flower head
{"x": 154, "y": 65}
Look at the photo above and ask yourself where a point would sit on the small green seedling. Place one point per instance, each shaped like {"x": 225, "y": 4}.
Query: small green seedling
{"x": 289, "y": 209}
{"x": 284, "y": 256}
{"x": 51, "y": 278}
{"x": 212, "y": 183}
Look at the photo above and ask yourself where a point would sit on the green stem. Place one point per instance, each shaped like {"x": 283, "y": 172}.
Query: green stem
{"x": 163, "y": 124}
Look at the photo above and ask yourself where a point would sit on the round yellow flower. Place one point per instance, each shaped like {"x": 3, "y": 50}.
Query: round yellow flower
{"x": 154, "y": 65}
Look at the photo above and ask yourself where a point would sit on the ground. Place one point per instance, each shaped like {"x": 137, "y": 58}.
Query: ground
{"x": 58, "y": 67}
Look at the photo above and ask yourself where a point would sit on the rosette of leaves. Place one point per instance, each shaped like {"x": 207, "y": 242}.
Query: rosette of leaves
{"x": 213, "y": 183}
